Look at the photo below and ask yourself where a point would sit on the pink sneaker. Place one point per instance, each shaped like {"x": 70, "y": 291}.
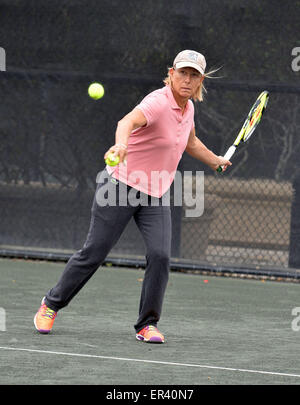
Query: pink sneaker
{"x": 44, "y": 318}
{"x": 150, "y": 334}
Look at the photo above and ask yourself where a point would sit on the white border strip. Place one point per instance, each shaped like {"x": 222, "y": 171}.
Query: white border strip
{"x": 167, "y": 363}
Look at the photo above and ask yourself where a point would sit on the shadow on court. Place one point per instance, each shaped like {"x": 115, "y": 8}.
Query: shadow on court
{"x": 223, "y": 331}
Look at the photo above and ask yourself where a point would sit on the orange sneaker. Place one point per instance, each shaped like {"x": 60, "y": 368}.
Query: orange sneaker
{"x": 44, "y": 318}
{"x": 150, "y": 334}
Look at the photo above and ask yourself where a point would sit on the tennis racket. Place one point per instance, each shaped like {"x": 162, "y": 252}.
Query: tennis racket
{"x": 249, "y": 126}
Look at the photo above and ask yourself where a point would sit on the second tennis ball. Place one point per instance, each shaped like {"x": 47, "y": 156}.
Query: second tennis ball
{"x": 96, "y": 91}
{"x": 112, "y": 160}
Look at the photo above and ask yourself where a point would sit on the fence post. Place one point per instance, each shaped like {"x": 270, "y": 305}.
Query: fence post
{"x": 294, "y": 255}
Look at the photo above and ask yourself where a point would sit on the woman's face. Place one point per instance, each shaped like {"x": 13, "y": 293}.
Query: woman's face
{"x": 185, "y": 81}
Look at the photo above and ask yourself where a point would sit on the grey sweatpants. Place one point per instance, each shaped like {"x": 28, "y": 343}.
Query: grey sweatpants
{"x": 106, "y": 226}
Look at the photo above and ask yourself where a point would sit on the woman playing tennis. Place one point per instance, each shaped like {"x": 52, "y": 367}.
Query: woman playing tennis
{"x": 149, "y": 140}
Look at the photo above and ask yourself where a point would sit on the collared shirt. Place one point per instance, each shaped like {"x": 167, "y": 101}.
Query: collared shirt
{"x": 154, "y": 150}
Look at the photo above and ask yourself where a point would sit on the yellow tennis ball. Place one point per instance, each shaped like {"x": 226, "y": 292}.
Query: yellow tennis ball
{"x": 112, "y": 160}
{"x": 96, "y": 91}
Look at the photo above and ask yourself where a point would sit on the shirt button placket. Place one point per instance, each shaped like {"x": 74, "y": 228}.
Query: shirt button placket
{"x": 179, "y": 131}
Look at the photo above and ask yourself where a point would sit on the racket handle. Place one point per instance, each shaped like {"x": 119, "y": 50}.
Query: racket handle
{"x": 227, "y": 156}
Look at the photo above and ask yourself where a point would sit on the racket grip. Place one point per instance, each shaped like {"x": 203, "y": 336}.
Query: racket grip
{"x": 227, "y": 156}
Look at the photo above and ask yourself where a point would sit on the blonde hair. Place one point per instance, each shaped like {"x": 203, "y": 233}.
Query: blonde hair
{"x": 198, "y": 95}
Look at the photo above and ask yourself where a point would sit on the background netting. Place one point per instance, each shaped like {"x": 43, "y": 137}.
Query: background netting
{"x": 53, "y": 136}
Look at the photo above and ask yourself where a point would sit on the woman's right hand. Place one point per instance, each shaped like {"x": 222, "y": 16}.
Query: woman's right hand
{"x": 118, "y": 149}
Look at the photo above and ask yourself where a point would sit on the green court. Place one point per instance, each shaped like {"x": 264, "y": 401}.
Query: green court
{"x": 218, "y": 330}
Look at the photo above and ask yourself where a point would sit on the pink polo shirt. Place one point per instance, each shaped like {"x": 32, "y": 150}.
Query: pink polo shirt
{"x": 154, "y": 150}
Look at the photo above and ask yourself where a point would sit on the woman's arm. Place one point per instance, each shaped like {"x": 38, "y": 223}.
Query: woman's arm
{"x": 198, "y": 150}
{"x": 133, "y": 120}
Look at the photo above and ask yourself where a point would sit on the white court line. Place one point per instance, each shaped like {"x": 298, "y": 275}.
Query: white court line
{"x": 167, "y": 363}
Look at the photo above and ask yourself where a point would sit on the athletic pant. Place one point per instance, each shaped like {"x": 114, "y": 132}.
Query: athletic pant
{"x": 106, "y": 226}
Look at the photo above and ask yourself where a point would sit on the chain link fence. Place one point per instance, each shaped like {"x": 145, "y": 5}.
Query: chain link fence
{"x": 53, "y": 136}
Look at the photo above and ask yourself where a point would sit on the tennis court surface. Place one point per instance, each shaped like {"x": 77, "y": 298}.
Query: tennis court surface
{"x": 218, "y": 330}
